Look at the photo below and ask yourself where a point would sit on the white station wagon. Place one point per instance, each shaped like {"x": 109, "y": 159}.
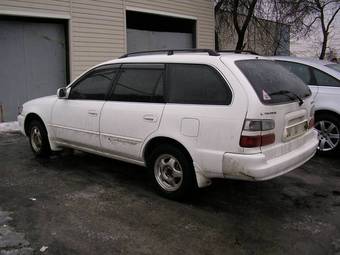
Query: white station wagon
{"x": 188, "y": 115}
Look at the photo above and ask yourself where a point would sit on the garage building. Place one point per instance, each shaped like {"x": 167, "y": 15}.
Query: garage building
{"x": 44, "y": 44}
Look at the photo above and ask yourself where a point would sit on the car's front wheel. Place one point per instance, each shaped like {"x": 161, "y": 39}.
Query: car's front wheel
{"x": 328, "y": 127}
{"x": 38, "y": 139}
{"x": 172, "y": 172}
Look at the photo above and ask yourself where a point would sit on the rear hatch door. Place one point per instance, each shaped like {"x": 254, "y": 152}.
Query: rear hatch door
{"x": 280, "y": 96}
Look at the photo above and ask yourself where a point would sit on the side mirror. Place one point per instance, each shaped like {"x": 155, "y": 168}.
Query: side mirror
{"x": 62, "y": 92}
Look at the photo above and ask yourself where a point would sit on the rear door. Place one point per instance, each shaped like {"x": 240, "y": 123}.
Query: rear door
{"x": 134, "y": 109}
{"x": 75, "y": 120}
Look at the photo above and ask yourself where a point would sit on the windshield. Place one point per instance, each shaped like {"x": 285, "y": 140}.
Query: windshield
{"x": 273, "y": 83}
{"x": 335, "y": 67}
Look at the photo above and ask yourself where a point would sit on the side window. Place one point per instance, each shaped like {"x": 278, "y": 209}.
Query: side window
{"x": 95, "y": 85}
{"x": 323, "y": 79}
{"x": 140, "y": 83}
{"x": 197, "y": 84}
{"x": 300, "y": 70}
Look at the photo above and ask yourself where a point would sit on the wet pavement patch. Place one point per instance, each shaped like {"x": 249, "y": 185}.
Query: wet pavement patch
{"x": 12, "y": 242}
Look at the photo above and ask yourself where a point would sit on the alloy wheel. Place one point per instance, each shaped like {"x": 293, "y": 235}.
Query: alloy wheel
{"x": 329, "y": 135}
{"x": 36, "y": 139}
{"x": 168, "y": 172}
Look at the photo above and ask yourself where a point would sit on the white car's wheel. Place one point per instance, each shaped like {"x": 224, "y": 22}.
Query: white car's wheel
{"x": 172, "y": 172}
{"x": 38, "y": 139}
{"x": 328, "y": 127}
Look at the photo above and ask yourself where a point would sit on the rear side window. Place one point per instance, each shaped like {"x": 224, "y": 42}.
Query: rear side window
{"x": 197, "y": 84}
{"x": 272, "y": 82}
{"x": 140, "y": 83}
{"x": 323, "y": 79}
{"x": 94, "y": 85}
{"x": 300, "y": 70}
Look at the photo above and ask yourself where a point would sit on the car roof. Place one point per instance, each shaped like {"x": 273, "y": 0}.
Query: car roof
{"x": 310, "y": 61}
{"x": 180, "y": 58}
{"x": 183, "y": 57}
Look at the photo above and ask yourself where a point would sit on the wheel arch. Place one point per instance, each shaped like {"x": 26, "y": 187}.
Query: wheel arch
{"x": 201, "y": 179}
{"x": 29, "y": 118}
{"x": 158, "y": 140}
{"x": 327, "y": 111}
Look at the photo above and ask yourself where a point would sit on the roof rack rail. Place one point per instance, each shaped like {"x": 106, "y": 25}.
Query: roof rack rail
{"x": 239, "y": 51}
{"x": 171, "y": 52}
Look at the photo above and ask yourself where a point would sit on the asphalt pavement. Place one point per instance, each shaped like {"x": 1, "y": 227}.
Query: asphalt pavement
{"x": 84, "y": 204}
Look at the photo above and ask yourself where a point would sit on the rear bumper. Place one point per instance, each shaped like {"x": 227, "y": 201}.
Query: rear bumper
{"x": 264, "y": 166}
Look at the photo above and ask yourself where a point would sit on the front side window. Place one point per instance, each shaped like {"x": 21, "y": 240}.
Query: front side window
{"x": 94, "y": 85}
{"x": 323, "y": 79}
{"x": 300, "y": 70}
{"x": 197, "y": 84}
{"x": 140, "y": 83}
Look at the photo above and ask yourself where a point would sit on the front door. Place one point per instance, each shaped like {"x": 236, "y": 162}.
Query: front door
{"x": 134, "y": 110}
{"x": 75, "y": 120}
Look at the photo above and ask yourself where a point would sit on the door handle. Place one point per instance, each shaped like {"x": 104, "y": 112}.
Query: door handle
{"x": 150, "y": 117}
{"x": 92, "y": 113}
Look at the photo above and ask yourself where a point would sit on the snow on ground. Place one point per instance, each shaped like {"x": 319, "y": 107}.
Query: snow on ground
{"x": 9, "y": 126}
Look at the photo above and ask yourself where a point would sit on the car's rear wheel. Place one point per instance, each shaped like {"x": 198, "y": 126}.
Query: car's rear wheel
{"x": 172, "y": 172}
{"x": 38, "y": 139}
{"x": 328, "y": 127}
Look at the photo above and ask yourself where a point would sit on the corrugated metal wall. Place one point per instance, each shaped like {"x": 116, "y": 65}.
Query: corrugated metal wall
{"x": 32, "y": 62}
{"x": 98, "y": 30}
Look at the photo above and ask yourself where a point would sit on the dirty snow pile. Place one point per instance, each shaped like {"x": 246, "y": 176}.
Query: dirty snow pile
{"x": 9, "y": 126}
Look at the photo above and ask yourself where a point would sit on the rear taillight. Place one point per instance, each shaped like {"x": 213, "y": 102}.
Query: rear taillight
{"x": 256, "y": 133}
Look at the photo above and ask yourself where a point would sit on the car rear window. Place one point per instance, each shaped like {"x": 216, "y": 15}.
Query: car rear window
{"x": 273, "y": 83}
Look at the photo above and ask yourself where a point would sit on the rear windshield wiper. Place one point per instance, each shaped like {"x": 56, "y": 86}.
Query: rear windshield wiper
{"x": 288, "y": 93}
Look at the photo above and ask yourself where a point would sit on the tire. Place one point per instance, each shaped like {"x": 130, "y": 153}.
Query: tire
{"x": 38, "y": 139}
{"x": 328, "y": 127}
{"x": 172, "y": 172}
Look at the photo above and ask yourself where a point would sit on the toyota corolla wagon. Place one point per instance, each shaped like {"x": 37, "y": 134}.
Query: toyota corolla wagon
{"x": 189, "y": 116}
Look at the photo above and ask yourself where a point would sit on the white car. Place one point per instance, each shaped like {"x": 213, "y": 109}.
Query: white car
{"x": 324, "y": 80}
{"x": 188, "y": 116}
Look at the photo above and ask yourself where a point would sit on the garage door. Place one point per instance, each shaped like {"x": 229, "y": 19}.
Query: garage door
{"x": 149, "y": 32}
{"x": 32, "y": 62}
